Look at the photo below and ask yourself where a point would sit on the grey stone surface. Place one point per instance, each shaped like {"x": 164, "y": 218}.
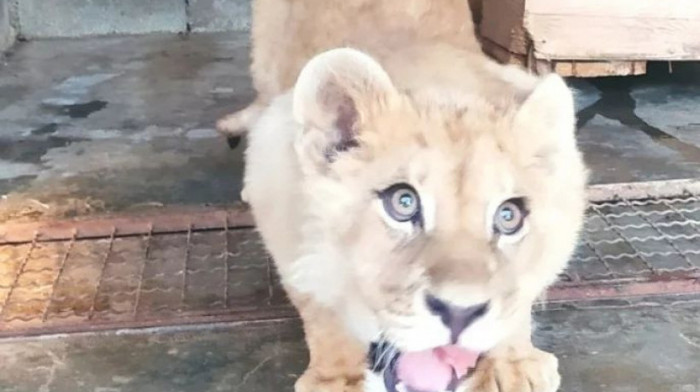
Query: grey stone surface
{"x": 219, "y": 15}
{"x": 7, "y": 32}
{"x": 641, "y": 128}
{"x": 115, "y": 123}
{"x": 77, "y": 18}
{"x": 585, "y": 94}
{"x": 672, "y": 109}
{"x": 625, "y": 349}
{"x": 611, "y": 349}
{"x": 619, "y": 153}
{"x": 252, "y": 358}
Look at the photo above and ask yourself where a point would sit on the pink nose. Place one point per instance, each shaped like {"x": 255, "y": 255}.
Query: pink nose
{"x": 456, "y": 318}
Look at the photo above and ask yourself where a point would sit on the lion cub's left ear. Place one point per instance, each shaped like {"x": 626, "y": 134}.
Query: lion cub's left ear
{"x": 545, "y": 123}
{"x": 333, "y": 93}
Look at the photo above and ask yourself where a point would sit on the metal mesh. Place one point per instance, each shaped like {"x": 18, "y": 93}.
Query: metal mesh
{"x": 136, "y": 280}
{"x": 633, "y": 239}
{"x": 157, "y": 277}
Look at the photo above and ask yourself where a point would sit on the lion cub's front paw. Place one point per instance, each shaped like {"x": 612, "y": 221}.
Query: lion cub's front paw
{"x": 535, "y": 372}
{"x": 311, "y": 381}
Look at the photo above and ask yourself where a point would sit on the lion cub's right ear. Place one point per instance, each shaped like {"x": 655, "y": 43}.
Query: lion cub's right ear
{"x": 334, "y": 92}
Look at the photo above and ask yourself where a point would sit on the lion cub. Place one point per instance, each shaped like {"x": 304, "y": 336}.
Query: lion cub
{"x": 417, "y": 198}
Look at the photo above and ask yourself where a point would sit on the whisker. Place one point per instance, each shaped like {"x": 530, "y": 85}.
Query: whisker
{"x": 385, "y": 350}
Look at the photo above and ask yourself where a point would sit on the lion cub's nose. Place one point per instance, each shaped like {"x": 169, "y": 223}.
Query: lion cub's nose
{"x": 456, "y": 318}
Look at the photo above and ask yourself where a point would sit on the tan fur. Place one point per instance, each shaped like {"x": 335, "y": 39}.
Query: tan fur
{"x": 287, "y": 33}
{"x": 424, "y": 107}
{"x": 337, "y": 359}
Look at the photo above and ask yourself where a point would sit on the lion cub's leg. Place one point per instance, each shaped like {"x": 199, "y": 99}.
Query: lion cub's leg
{"x": 516, "y": 366}
{"x": 238, "y": 123}
{"x": 337, "y": 360}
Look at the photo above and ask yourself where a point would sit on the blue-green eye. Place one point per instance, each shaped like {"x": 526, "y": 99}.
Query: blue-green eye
{"x": 510, "y": 216}
{"x": 402, "y": 203}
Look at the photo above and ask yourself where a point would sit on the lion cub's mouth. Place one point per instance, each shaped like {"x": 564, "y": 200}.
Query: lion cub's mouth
{"x": 434, "y": 370}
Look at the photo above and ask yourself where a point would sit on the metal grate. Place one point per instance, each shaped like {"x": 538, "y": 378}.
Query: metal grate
{"x": 167, "y": 274}
{"x": 636, "y": 247}
{"x": 190, "y": 268}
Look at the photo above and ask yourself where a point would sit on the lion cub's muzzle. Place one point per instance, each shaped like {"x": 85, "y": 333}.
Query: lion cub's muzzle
{"x": 433, "y": 370}
{"x": 386, "y": 361}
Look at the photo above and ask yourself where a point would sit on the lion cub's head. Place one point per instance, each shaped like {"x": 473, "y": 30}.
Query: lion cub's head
{"x": 433, "y": 221}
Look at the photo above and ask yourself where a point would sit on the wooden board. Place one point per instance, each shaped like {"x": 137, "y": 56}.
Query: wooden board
{"x": 589, "y": 69}
{"x": 502, "y": 24}
{"x": 591, "y": 37}
{"x": 614, "y": 29}
{"x": 577, "y": 68}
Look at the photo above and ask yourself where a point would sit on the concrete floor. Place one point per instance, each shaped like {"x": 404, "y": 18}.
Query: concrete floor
{"x": 117, "y": 124}
{"x": 641, "y": 128}
{"x": 624, "y": 348}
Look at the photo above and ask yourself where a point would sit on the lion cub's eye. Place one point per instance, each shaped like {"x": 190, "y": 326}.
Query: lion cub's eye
{"x": 402, "y": 203}
{"x": 510, "y": 216}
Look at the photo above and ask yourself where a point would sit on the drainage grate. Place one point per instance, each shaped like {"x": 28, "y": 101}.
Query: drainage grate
{"x": 148, "y": 271}
{"x": 635, "y": 247}
{"x": 192, "y": 268}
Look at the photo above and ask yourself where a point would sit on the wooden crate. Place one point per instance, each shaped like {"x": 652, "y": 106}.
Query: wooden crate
{"x": 590, "y": 37}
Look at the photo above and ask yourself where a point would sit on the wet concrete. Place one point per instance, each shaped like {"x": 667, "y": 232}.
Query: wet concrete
{"x": 265, "y": 357}
{"x": 625, "y": 349}
{"x": 649, "y": 348}
{"x": 115, "y": 124}
{"x": 641, "y": 128}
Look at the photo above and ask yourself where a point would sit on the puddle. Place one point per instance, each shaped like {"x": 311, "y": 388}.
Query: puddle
{"x": 46, "y": 129}
{"x": 83, "y": 110}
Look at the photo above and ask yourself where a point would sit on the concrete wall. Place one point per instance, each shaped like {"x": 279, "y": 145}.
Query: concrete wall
{"x": 76, "y": 18}
{"x": 7, "y": 33}
{"x": 219, "y": 15}
{"x": 79, "y": 18}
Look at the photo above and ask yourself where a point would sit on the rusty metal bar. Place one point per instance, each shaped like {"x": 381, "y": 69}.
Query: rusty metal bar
{"x": 268, "y": 314}
{"x": 226, "y": 265}
{"x": 184, "y": 267}
{"x": 618, "y": 290}
{"x": 175, "y": 222}
{"x": 19, "y": 272}
{"x": 91, "y": 312}
{"x": 147, "y": 252}
{"x": 61, "y": 268}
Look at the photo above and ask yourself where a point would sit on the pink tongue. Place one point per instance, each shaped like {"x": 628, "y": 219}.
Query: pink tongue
{"x": 431, "y": 370}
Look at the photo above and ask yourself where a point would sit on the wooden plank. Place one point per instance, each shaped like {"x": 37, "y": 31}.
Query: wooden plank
{"x": 626, "y": 9}
{"x": 590, "y": 69}
{"x": 500, "y": 54}
{"x": 614, "y": 30}
{"x": 585, "y": 69}
{"x": 502, "y": 23}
